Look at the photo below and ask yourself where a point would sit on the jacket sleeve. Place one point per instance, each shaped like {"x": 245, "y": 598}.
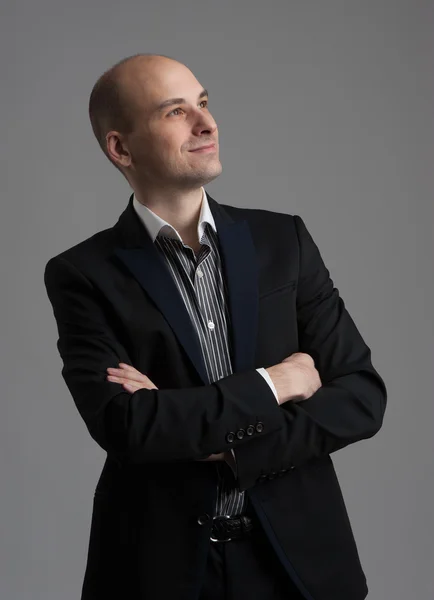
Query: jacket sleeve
{"x": 351, "y": 403}
{"x": 148, "y": 425}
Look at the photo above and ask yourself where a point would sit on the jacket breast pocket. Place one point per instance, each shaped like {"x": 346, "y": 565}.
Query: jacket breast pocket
{"x": 279, "y": 289}
{"x": 277, "y": 324}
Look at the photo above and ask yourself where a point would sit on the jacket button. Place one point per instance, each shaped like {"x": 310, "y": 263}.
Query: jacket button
{"x": 259, "y": 427}
{"x": 262, "y": 478}
{"x": 250, "y": 430}
{"x": 230, "y": 437}
{"x": 272, "y": 475}
{"x": 240, "y": 434}
{"x": 202, "y": 519}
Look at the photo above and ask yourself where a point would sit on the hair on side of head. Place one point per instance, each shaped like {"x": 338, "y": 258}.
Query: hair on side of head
{"x": 108, "y": 103}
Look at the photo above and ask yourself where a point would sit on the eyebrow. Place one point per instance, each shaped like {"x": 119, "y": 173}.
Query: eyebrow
{"x": 172, "y": 101}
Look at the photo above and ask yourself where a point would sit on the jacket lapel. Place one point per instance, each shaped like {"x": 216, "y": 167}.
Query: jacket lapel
{"x": 139, "y": 255}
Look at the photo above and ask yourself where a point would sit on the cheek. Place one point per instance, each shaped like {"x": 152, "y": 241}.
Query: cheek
{"x": 170, "y": 146}
{"x": 140, "y": 146}
{"x": 155, "y": 151}
{"x": 173, "y": 140}
{"x": 162, "y": 146}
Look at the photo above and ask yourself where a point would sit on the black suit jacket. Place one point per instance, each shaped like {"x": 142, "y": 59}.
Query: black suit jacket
{"x": 114, "y": 301}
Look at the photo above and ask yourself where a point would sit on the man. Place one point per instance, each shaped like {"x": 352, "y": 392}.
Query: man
{"x": 212, "y": 358}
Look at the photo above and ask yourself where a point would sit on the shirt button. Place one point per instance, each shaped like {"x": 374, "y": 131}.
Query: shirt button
{"x": 211, "y": 325}
{"x": 199, "y": 273}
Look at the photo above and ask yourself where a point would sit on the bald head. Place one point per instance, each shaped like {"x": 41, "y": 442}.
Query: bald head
{"x": 150, "y": 114}
{"x": 117, "y": 92}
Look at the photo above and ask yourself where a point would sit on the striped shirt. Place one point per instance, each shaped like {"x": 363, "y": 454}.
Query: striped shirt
{"x": 203, "y": 289}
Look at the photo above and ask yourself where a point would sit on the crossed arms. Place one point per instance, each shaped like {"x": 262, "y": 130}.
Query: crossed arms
{"x": 192, "y": 423}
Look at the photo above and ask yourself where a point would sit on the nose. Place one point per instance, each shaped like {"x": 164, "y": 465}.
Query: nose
{"x": 204, "y": 124}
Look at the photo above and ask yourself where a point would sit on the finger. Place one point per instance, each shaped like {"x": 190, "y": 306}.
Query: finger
{"x": 122, "y": 379}
{"x": 133, "y": 373}
{"x": 129, "y": 375}
{"x": 135, "y": 385}
{"x": 124, "y": 368}
{"x": 128, "y": 367}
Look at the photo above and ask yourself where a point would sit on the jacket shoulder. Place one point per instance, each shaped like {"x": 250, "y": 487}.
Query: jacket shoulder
{"x": 267, "y": 225}
{"x": 253, "y": 214}
{"x": 90, "y": 251}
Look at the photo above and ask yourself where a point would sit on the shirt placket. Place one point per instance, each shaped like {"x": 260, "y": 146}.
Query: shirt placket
{"x": 228, "y": 499}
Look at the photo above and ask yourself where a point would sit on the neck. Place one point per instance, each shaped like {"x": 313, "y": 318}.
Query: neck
{"x": 179, "y": 208}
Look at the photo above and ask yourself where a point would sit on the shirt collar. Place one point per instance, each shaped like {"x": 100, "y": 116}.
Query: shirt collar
{"x": 154, "y": 224}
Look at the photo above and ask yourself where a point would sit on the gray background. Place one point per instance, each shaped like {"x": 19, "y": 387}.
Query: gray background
{"x": 324, "y": 110}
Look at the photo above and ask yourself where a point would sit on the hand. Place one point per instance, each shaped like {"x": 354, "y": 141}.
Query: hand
{"x": 295, "y": 378}
{"x": 133, "y": 380}
{"x": 130, "y": 378}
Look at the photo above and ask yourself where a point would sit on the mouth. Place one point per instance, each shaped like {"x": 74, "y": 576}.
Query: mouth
{"x": 208, "y": 148}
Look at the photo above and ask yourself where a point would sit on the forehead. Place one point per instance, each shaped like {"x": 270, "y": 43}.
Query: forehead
{"x": 152, "y": 84}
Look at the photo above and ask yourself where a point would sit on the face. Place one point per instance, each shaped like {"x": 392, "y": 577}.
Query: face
{"x": 171, "y": 121}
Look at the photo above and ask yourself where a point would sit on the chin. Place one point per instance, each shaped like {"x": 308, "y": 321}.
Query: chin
{"x": 211, "y": 174}
{"x": 202, "y": 176}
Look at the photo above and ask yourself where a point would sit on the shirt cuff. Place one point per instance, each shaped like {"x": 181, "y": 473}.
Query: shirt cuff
{"x": 268, "y": 379}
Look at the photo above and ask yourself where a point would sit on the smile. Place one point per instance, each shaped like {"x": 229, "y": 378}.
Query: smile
{"x": 210, "y": 148}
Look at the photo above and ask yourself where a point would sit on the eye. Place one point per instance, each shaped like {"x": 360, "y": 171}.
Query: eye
{"x": 174, "y": 110}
